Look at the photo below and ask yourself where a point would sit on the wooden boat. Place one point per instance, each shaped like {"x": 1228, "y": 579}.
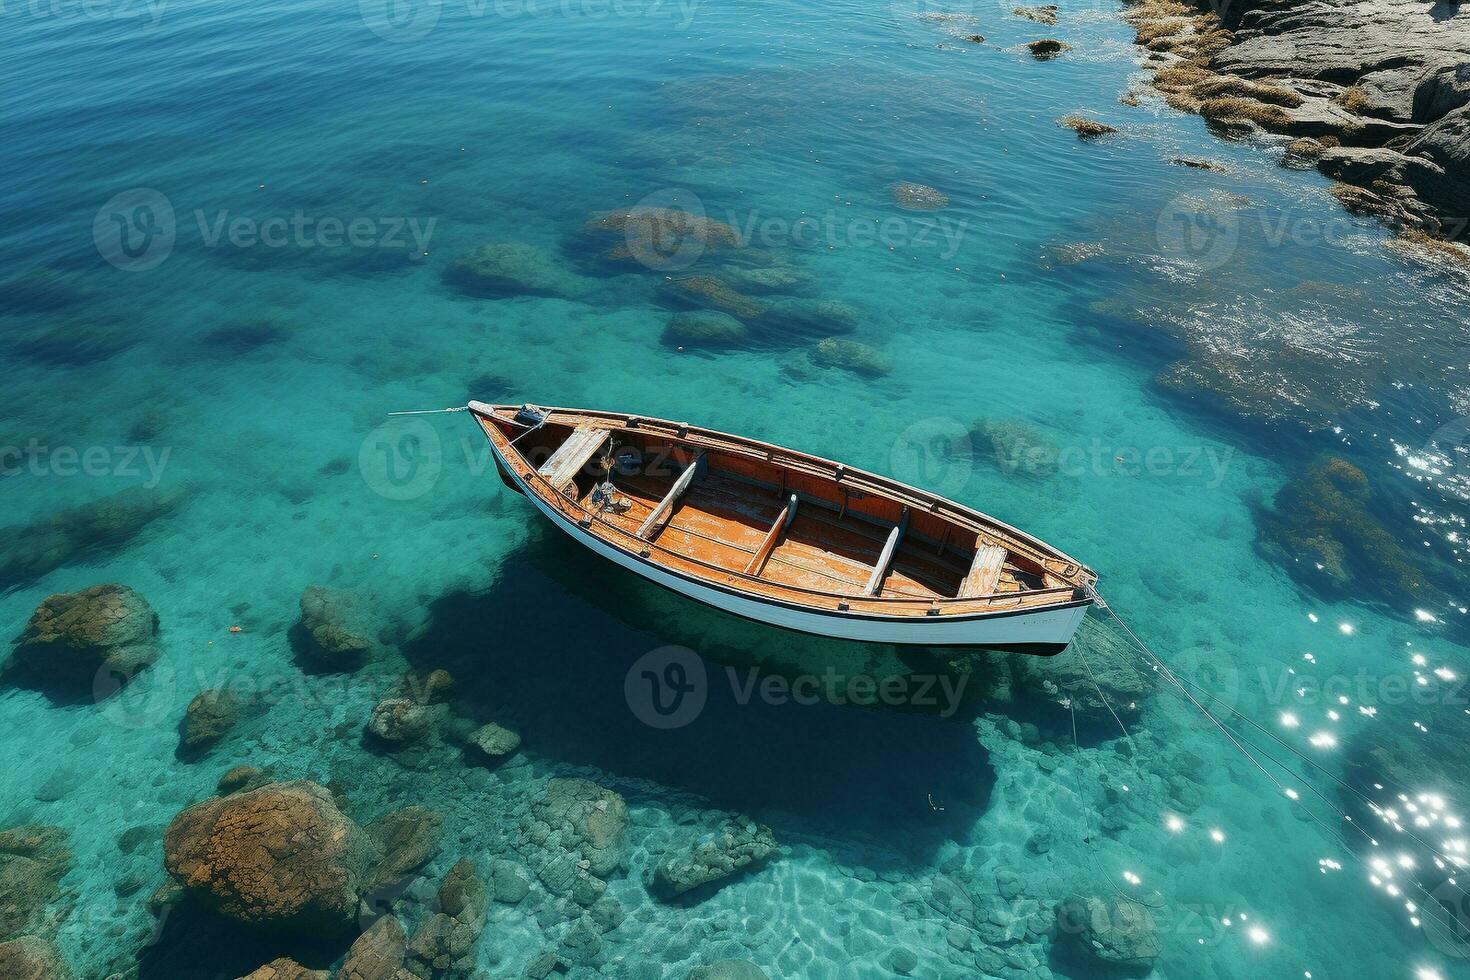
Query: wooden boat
{"x": 785, "y": 538}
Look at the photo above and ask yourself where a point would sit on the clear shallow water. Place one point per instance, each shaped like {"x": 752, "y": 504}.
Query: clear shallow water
{"x": 791, "y": 122}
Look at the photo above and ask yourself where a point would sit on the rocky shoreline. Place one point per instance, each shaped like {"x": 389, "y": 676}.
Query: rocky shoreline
{"x": 1374, "y": 93}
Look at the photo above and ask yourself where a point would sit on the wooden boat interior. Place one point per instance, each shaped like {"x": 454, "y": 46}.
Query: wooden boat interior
{"x": 766, "y": 518}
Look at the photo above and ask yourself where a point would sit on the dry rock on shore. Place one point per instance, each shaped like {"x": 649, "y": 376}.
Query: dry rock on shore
{"x": 1385, "y": 79}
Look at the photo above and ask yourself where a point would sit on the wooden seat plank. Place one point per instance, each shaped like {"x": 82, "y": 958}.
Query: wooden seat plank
{"x": 666, "y": 506}
{"x": 885, "y": 557}
{"x": 984, "y": 574}
{"x": 572, "y": 455}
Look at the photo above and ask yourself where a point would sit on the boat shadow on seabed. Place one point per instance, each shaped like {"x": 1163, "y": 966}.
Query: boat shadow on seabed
{"x": 598, "y": 668}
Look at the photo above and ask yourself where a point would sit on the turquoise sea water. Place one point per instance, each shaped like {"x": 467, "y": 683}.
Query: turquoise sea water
{"x": 239, "y": 380}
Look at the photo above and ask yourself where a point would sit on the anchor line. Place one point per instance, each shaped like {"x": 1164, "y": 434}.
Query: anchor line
{"x": 1118, "y": 893}
{"x": 1236, "y": 739}
{"x": 431, "y": 411}
{"x": 1361, "y": 797}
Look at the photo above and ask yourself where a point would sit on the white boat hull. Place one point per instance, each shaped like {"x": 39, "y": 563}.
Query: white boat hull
{"x": 1036, "y": 631}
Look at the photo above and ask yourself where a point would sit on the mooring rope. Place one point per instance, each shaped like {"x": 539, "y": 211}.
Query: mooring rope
{"x": 1429, "y": 915}
{"x": 432, "y": 411}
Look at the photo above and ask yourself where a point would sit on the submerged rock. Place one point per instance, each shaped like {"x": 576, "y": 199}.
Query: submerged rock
{"x": 1112, "y": 931}
{"x": 662, "y": 238}
{"x": 1047, "y": 48}
{"x": 728, "y": 970}
{"x": 1195, "y": 163}
{"x": 711, "y": 291}
{"x": 1098, "y": 672}
{"x": 510, "y": 882}
{"x": 207, "y": 719}
{"x": 33, "y": 860}
{"x": 1324, "y": 533}
{"x": 71, "y": 343}
{"x": 799, "y": 320}
{"x": 241, "y": 777}
{"x": 1016, "y": 446}
{"x": 1087, "y": 129}
{"x": 41, "y": 290}
{"x": 1076, "y": 253}
{"x": 331, "y": 619}
{"x": 434, "y": 687}
{"x": 72, "y": 637}
{"x": 491, "y": 743}
{"x": 378, "y": 954}
{"x": 581, "y": 818}
{"x": 278, "y": 857}
{"x": 918, "y": 197}
{"x": 508, "y": 269}
{"x": 241, "y": 337}
{"x": 399, "y": 722}
{"x": 741, "y": 845}
{"x": 850, "y": 355}
{"x": 1045, "y": 14}
{"x": 444, "y": 944}
{"x": 30, "y": 551}
{"x": 285, "y": 968}
{"x": 704, "y": 329}
{"x": 768, "y": 279}
{"x": 408, "y": 839}
{"x": 32, "y": 958}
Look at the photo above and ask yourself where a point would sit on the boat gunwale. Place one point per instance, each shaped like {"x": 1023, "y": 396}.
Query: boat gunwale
{"x": 996, "y": 604}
